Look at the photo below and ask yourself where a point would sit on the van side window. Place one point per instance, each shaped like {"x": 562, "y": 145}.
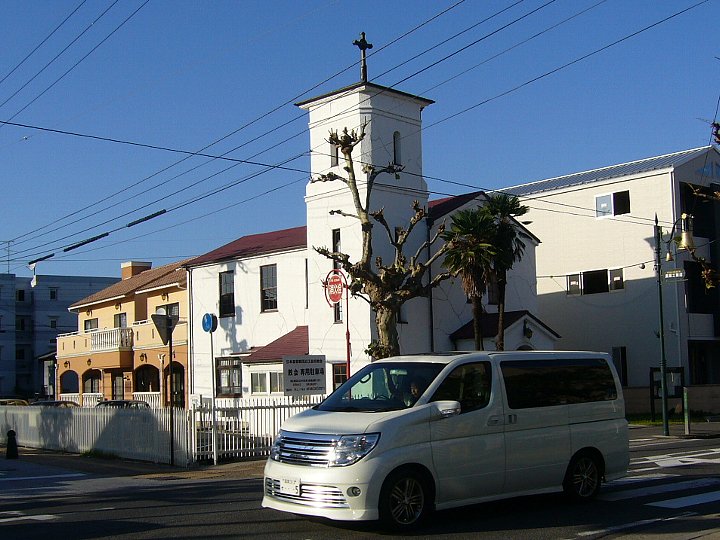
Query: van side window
{"x": 557, "y": 382}
{"x": 469, "y": 384}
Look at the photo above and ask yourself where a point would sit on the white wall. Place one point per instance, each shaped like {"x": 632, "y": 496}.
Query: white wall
{"x": 250, "y": 327}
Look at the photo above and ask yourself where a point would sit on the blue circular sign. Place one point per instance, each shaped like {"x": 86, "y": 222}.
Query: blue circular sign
{"x": 209, "y": 322}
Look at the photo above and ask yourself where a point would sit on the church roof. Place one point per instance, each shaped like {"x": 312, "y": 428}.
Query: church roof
{"x": 380, "y": 90}
{"x": 489, "y": 325}
{"x": 294, "y": 343}
{"x": 666, "y": 161}
{"x": 255, "y": 244}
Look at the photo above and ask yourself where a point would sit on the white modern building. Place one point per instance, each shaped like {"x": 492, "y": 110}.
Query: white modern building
{"x": 267, "y": 289}
{"x": 597, "y": 284}
{"x": 33, "y": 311}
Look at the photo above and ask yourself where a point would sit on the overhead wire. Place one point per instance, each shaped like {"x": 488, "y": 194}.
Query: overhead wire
{"x": 244, "y": 126}
{"x": 28, "y": 55}
{"x": 603, "y": 48}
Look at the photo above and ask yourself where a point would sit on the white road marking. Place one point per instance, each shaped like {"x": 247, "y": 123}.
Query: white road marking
{"x": 631, "y": 525}
{"x": 691, "y": 500}
{"x": 658, "y": 489}
{"x": 39, "y": 517}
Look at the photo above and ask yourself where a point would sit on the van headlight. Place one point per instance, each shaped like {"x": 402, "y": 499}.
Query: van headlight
{"x": 275, "y": 448}
{"x": 350, "y": 449}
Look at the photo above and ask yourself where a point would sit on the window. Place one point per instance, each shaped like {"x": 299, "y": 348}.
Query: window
{"x": 616, "y": 279}
{"x": 268, "y": 287}
{"x": 493, "y": 291}
{"x": 53, "y": 293}
{"x": 19, "y": 353}
{"x": 91, "y": 382}
{"x": 595, "y": 282}
{"x": 169, "y": 309}
{"x": 531, "y": 383}
{"x": 337, "y": 312}
{"x": 266, "y": 382}
{"x": 227, "y": 294}
{"x": 307, "y": 286}
{"x": 700, "y": 299}
{"x": 228, "y": 377}
{"x": 19, "y": 324}
{"x": 339, "y": 372}
{"x": 334, "y": 155}
{"x": 90, "y": 324}
{"x": 20, "y": 295}
{"x": 613, "y": 204}
{"x": 120, "y": 320}
{"x": 397, "y": 155}
{"x": 336, "y": 246}
{"x": 573, "y": 284}
{"x": 53, "y": 322}
{"x": 469, "y": 384}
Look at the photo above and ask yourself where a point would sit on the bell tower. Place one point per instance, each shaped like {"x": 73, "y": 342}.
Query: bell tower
{"x": 393, "y": 135}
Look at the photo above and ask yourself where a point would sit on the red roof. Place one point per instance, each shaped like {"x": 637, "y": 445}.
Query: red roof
{"x": 256, "y": 244}
{"x": 441, "y": 207}
{"x": 294, "y": 343}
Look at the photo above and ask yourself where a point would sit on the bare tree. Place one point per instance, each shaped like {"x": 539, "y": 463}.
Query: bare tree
{"x": 384, "y": 286}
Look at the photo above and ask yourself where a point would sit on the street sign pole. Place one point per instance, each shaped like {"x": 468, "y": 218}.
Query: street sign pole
{"x": 335, "y": 283}
{"x": 209, "y": 324}
{"x": 165, "y": 324}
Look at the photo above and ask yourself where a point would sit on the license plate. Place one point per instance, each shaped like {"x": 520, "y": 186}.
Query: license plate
{"x": 290, "y": 486}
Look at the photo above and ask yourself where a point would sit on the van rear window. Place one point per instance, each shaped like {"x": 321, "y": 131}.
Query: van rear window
{"x": 544, "y": 383}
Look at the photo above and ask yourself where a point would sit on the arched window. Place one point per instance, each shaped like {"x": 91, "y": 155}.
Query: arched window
{"x": 91, "y": 382}
{"x": 69, "y": 383}
{"x": 147, "y": 379}
{"x": 397, "y": 155}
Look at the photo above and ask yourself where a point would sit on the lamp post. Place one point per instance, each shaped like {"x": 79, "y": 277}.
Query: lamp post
{"x": 685, "y": 242}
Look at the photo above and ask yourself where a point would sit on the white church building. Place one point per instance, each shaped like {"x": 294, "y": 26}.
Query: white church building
{"x": 267, "y": 289}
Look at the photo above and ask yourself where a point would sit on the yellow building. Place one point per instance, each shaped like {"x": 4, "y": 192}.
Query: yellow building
{"x": 117, "y": 352}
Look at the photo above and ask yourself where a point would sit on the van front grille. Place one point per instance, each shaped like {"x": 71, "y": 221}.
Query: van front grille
{"x": 310, "y": 495}
{"x": 304, "y": 448}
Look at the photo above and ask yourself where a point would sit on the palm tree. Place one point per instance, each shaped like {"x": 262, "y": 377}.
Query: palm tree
{"x": 469, "y": 256}
{"x": 502, "y": 210}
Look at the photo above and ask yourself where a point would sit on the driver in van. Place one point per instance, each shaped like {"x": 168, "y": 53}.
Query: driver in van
{"x": 417, "y": 387}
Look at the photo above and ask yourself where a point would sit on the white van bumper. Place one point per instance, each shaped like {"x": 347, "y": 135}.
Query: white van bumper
{"x": 332, "y": 493}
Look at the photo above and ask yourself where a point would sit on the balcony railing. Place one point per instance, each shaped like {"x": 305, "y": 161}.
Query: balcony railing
{"x": 115, "y": 339}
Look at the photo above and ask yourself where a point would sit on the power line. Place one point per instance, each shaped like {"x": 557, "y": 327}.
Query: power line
{"x": 42, "y": 42}
{"x": 246, "y": 125}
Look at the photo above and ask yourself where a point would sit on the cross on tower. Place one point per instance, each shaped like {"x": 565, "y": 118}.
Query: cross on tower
{"x": 363, "y": 45}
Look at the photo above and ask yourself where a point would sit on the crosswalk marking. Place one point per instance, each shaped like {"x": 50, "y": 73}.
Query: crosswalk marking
{"x": 659, "y": 489}
{"x": 37, "y": 517}
{"x": 690, "y": 500}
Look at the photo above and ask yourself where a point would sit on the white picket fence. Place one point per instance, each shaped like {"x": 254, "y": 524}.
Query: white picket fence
{"x": 245, "y": 430}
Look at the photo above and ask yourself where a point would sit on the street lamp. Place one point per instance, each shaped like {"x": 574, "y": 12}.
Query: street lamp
{"x": 685, "y": 242}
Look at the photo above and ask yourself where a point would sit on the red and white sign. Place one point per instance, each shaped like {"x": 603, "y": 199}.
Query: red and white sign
{"x": 334, "y": 286}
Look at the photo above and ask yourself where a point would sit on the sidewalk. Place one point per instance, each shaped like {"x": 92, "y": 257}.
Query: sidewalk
{"x": 698, "y": 430}
{"x": 32, "y": 460}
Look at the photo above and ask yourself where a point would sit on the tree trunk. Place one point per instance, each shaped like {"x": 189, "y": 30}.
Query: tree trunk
{"x": 388, "y": 342}
{"x": 477, "y": 311}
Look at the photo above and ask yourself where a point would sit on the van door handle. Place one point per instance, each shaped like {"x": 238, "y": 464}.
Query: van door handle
{"x": 493, "y": 421}
{"x": 512, "y": 419}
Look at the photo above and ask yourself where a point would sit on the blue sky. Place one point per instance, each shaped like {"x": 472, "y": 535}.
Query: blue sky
{"x": 182, "y": 74}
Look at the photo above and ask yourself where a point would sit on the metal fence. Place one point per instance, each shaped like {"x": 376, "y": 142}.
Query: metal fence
{"x": 246, "y": 430}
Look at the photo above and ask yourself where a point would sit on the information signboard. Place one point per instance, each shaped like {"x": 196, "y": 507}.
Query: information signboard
{"x": 304, "y": 375}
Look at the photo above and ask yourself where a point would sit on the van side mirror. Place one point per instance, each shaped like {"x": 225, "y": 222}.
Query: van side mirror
{"x": 445, "y": 409}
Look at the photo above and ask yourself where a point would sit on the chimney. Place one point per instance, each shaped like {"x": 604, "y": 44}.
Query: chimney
{"x": 133, "y": 268}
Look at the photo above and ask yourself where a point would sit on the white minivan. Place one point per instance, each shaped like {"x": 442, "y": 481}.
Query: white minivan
{"x": 410, "y": 434}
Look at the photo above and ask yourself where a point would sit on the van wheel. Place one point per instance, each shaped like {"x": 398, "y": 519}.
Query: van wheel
{"x": 404, "y": 500}
{"x": 583, "y": 477}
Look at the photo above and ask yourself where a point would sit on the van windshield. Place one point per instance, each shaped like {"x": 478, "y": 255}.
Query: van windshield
{"x": 382, "y": 387}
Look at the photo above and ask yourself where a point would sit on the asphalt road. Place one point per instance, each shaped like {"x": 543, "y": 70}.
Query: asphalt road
{"x": 672, "y": 492}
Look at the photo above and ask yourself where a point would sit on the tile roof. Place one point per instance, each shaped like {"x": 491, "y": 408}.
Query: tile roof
{"x": 255, "y": 244}
{"x": 489, "y": 324}
{"x": 293, "y": 343}
{"x": 155, "y": 277}
{"x": 614, "y": 171}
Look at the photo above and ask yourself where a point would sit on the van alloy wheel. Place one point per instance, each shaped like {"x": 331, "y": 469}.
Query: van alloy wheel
{"x": 583, "y": 477}
{"x": 403, "y": 501}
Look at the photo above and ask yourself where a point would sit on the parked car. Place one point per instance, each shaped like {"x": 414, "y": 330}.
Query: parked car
{"x": 124, "y": 404}
{"x": 54, "y": 403}
{"x": 13, "y": 402}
